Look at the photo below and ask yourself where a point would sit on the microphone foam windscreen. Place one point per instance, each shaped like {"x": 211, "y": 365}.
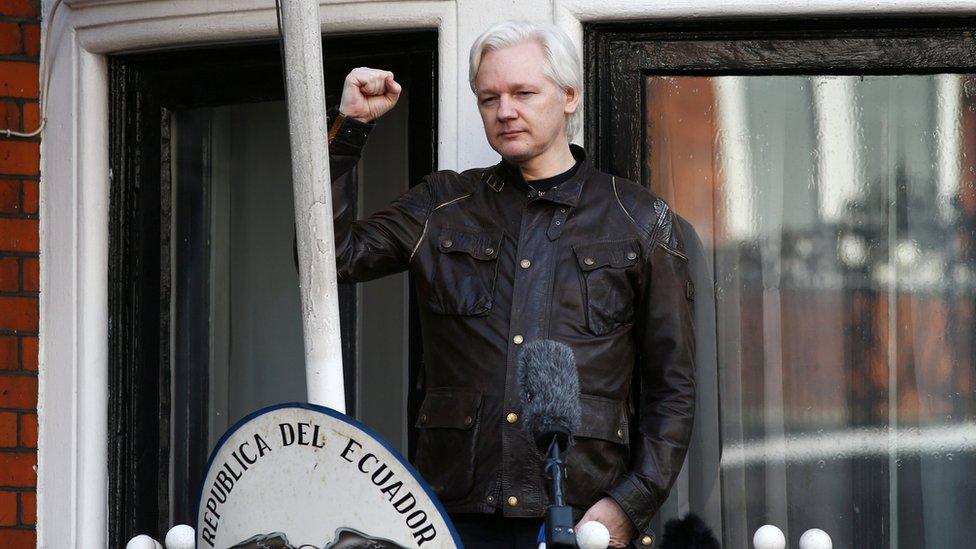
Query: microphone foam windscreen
{"x": 550, "y": 390}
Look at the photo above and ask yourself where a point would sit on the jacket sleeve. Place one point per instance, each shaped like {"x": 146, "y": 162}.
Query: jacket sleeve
{"x": 382, "y": 243}
{"x": 664, "y": 331}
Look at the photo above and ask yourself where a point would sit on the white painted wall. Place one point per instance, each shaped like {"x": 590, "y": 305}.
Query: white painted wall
{"x": 72, "y": 461}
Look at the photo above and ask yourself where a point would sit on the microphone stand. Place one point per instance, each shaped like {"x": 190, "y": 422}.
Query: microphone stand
{"x": 559, "y": 516}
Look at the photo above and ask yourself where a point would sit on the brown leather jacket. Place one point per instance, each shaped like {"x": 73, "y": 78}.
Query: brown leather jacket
{"x": 596, "y": 263}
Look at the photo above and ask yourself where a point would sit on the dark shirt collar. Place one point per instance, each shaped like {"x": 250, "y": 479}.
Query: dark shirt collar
{"x": 514, "y": 174}
{"x": 567, "y": 192}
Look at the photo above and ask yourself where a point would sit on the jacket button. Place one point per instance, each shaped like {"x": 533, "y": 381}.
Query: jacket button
{"x": 423, "y": 418}
{"x": 589, "y": 261}
{"x": 518, "y": 339}
{"x": 512, "y": 417}
{"x": 489, "y": 251}
{"x": 448, "y": 243}
{"x": 620, "y": 434}
{"x": 631, "y": 255}
{"x": 468, "y": 420}
{"x": 512, "y": 501}
{"x": 525, "y": 263}
{"x": 647, "y": 540}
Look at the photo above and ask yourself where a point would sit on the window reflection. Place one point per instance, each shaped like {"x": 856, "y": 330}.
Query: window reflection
{"x": 838, "y": 214}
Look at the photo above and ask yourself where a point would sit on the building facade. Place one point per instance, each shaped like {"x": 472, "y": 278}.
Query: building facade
{"x": 824, "y": 153}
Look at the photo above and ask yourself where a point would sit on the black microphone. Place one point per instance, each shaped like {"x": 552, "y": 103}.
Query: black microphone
{"x": 551, "y": 413}
{"x": 549, "y": 393}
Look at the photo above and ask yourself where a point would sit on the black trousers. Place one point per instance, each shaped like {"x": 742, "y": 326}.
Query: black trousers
{"x": 484, "y": 531}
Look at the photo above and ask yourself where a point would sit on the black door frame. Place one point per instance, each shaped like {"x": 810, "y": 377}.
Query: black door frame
{"x": 618, "y": 56}
{"x": 144, "y": 90}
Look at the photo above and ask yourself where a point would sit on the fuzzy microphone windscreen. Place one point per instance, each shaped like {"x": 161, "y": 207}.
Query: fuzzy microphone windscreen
{"x": 690, "y": 532}
{"x": 549, "y": 392}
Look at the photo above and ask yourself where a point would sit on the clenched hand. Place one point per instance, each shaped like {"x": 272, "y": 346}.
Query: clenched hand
{"x": 368, "y": 94}
{"x": 607, "y": 512}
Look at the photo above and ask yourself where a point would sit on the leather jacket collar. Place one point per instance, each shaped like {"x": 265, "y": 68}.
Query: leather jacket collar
{"x": 566, "y": 193}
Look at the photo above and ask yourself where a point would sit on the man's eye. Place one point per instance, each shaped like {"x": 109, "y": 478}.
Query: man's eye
{"x": 487, "y": 100}
{"x": 525, "y": 93}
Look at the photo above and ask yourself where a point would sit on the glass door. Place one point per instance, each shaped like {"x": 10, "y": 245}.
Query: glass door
{"x": 830, "y": 176}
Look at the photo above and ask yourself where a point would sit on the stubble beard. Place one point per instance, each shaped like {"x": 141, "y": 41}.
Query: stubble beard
{"x": 528, "y": 153}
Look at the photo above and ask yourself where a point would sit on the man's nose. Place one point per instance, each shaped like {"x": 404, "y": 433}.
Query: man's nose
{"x": 506, "y": 110}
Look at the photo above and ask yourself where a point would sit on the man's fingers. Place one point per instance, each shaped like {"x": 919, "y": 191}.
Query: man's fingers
{"x": 392, "y": 85}
{"x": 373, "y": 81}
{"x": 375, "y": 86}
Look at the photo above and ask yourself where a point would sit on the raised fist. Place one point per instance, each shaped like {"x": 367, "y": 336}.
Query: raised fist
{"x": 368, "y": 94}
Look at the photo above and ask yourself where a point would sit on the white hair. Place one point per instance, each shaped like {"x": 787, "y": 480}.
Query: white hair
{"x": 563, "y": 65}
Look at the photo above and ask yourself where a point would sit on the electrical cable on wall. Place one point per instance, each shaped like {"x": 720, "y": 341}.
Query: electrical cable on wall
{"x": 46, "y": 76}
{"x": 46, "y": 73}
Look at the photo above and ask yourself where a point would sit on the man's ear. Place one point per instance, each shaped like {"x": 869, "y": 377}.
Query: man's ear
{"x": 571, "y": 100}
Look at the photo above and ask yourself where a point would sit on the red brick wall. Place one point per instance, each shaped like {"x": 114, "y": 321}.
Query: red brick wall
{"x": 19, "y": 281}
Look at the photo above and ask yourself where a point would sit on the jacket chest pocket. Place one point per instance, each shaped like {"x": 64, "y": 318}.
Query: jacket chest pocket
{"x": 463, "y": 277}
{"x": 608, "y": 293}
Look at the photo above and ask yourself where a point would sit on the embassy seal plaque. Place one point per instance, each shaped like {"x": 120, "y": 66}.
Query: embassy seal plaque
{"x": 305, "y": 476}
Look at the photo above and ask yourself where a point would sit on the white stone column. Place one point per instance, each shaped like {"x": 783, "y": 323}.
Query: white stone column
{"x": 738, "y": 181}
{"x": 839, "y": 170}
{"x": 948, "y": 142}
{"x": 305, "y": 86}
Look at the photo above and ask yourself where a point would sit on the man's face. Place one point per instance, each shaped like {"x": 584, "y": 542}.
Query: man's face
{"x": 524, "y": 112}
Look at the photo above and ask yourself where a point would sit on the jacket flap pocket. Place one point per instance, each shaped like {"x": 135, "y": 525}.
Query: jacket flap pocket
{"x": 479, "y": 244}
{"x": 451, "y": 408}
{"x": 613, "y": 253}
{"x": 603, "y": 418}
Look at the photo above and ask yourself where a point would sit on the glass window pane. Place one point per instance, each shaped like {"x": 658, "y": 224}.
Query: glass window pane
{"x": 237, "y": 333}
{"x": 839, "y": 214}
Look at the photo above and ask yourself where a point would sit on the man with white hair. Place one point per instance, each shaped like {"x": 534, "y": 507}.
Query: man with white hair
{"x": 540, "y": 246}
